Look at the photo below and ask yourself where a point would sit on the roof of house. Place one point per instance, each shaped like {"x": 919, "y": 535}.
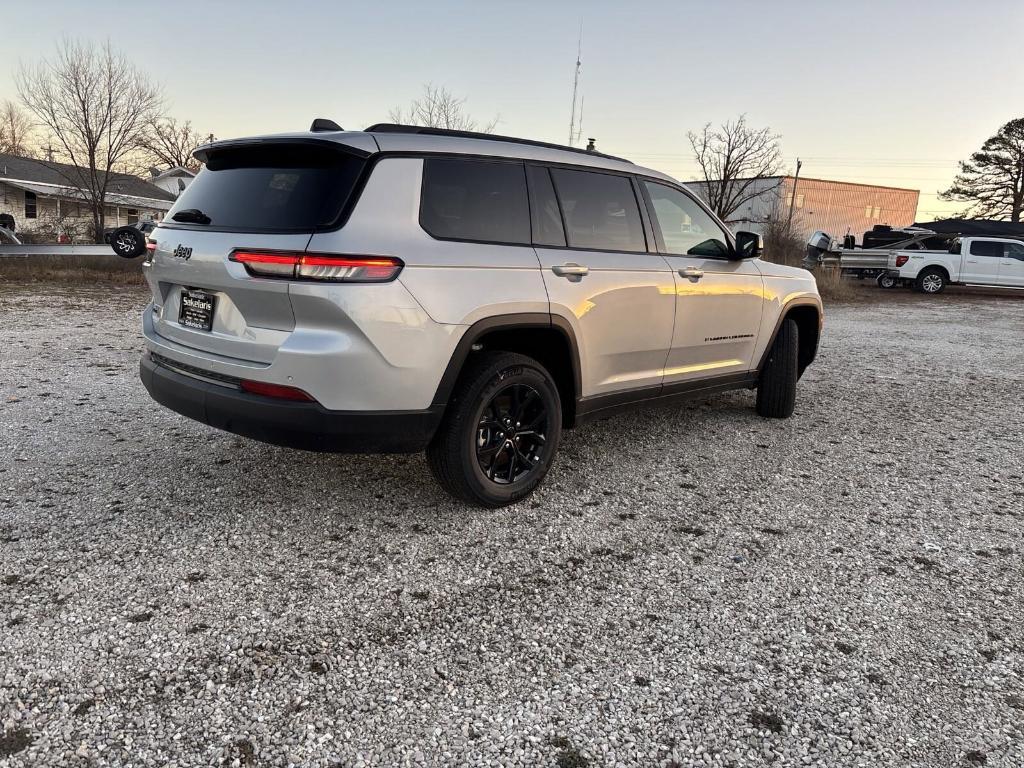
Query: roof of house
{"x": 975, "y": 227}
{"x": 176, "y": 170}
{"x": 61, "y": 176}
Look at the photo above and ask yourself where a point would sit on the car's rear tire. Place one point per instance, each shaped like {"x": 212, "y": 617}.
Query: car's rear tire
{"x": 931, "y": 280}
{"x": 128, "y": 242}
{"x": 500, "y": 430}
{"x": 776, "y": 386}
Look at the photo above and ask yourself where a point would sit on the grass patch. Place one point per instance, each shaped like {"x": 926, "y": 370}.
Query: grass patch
{"x": 835, "y": 288}
{"x": 106, "y": 270}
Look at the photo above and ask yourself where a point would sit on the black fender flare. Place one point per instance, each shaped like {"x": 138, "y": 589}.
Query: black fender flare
{"x": 481, "y": 328}
{"x": 799, "y": 301}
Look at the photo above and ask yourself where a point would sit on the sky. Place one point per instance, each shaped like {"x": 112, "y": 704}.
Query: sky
{"x": 892, "y": 92}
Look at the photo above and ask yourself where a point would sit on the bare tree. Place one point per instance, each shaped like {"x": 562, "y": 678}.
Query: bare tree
{"x": 168, "y": 142}
{"x": 991, "y": 182}
{"x": 440, "y": 109}
{"x": 96, "y": 105}
{"x": 15, "y": 130}
{"x": 735, "y": 160}
{"x": 784, "y": 237}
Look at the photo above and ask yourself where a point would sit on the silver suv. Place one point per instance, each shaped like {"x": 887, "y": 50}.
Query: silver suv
{"x": 400, "y": 289}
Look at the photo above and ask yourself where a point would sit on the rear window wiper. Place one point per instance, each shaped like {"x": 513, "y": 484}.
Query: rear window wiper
{"x": 191, "y": 216}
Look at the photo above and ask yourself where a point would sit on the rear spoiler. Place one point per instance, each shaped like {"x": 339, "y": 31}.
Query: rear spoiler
{"x": 355, "y": 143}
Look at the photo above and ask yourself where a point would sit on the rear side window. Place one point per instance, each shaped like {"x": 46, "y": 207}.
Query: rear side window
{"x": 475, "y": 200}
{"x": 544, "y": 213}
{"x": 600, "y": 210}
{"x": 987, "y": 248}
{"x": 282, "y": 188}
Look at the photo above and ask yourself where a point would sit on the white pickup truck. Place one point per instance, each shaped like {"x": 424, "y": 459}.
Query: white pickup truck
{"x": 988, "y": 261}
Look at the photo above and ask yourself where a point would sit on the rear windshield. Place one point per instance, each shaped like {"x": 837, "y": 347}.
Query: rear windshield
{"x": 284, "y": 188}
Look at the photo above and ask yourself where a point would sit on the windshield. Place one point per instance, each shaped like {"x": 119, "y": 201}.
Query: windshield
{"x": 277, "y": 188}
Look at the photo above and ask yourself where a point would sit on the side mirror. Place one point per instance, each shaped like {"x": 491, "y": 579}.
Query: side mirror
{"x": 748, "y": 245}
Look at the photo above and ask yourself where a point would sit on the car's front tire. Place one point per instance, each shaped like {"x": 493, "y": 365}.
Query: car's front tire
{"x": 500, "y": 431}
{"x": 776, "y": 386}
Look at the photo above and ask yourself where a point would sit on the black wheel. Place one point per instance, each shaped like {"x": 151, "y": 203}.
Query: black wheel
{"x": 886, "y": 281}
{"x": 776, "y": 387}
{"x": 128, "y": 242}
{"x": 930, "y": 280}
{"x": 500, "y": 431}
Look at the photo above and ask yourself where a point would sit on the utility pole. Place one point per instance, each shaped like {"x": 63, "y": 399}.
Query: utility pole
{"x": 575, "y": 89}
{"x": 792, "y": 198}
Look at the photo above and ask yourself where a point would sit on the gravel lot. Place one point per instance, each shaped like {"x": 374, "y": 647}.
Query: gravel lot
{"x": 692, "y": 586}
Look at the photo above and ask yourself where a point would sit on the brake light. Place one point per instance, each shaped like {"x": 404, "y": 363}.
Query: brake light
{"x": 319, "y": 266}
{"x": 150, "y": 245}
{"x": 902, "y": 259}
{"x": 279, "y": 391}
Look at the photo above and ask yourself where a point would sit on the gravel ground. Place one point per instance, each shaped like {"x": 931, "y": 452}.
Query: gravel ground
{"x": 692, "y": 586}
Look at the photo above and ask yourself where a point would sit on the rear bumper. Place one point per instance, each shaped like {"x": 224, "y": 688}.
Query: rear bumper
{"x": 307, "y": 426}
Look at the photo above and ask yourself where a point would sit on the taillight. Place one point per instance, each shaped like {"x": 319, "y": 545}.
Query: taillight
{"x": 279, "y": 391}
{"x": 267, "y": 264}
{"x": 319, "y": 266}
{"x": 902, "y": 259}
{"x": 150, "y": 245}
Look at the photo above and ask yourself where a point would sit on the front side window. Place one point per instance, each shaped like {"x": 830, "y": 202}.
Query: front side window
{"x": 686, "y": 228}
{"x": 475, "y": 200}
{"x": 1015, "y": 251}
{"x": 600, "y": 211}
{"x": 989, "y": 248}
{"x": 30, "y": 205}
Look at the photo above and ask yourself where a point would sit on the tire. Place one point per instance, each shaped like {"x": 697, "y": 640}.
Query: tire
{"x": 931, "y": 280}
{"x": 128, "y": 242}
{"x": 885, "y": 281}
{"x": 473, "y": 455}
{"x": 776, "y": 387}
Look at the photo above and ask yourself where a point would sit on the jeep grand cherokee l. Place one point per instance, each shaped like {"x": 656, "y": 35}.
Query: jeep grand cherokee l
{"x": 402, "y": 289}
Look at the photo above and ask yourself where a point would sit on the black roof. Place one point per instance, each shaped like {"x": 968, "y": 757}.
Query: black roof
{"x": 975, "y": 227}
{"x": 45, "y": 172}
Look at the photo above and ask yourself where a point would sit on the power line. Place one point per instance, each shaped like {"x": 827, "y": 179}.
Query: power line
{"x": 857, "y": 159}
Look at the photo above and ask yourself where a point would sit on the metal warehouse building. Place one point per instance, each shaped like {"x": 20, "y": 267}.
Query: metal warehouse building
{"x": 836, "y": 207}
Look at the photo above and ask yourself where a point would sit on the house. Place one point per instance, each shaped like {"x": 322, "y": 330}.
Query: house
{"x": 835, "y": 207}
{"x": 173, "y": 180}
{"x": 48, "y": 198}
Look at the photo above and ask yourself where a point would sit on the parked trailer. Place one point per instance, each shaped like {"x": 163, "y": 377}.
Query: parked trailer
{"x": 867, "y": 262}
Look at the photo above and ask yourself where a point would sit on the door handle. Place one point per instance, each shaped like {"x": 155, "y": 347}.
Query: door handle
{"x": 691, "y": 272}
{"x": 571, "y": 270}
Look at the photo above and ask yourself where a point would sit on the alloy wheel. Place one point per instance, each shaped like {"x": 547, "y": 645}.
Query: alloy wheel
{"x": 931, "y": 284}
{"x": 512, "y": 434}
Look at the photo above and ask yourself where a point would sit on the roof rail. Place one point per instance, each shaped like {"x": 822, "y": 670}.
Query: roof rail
{"x": 427, "y": 131}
